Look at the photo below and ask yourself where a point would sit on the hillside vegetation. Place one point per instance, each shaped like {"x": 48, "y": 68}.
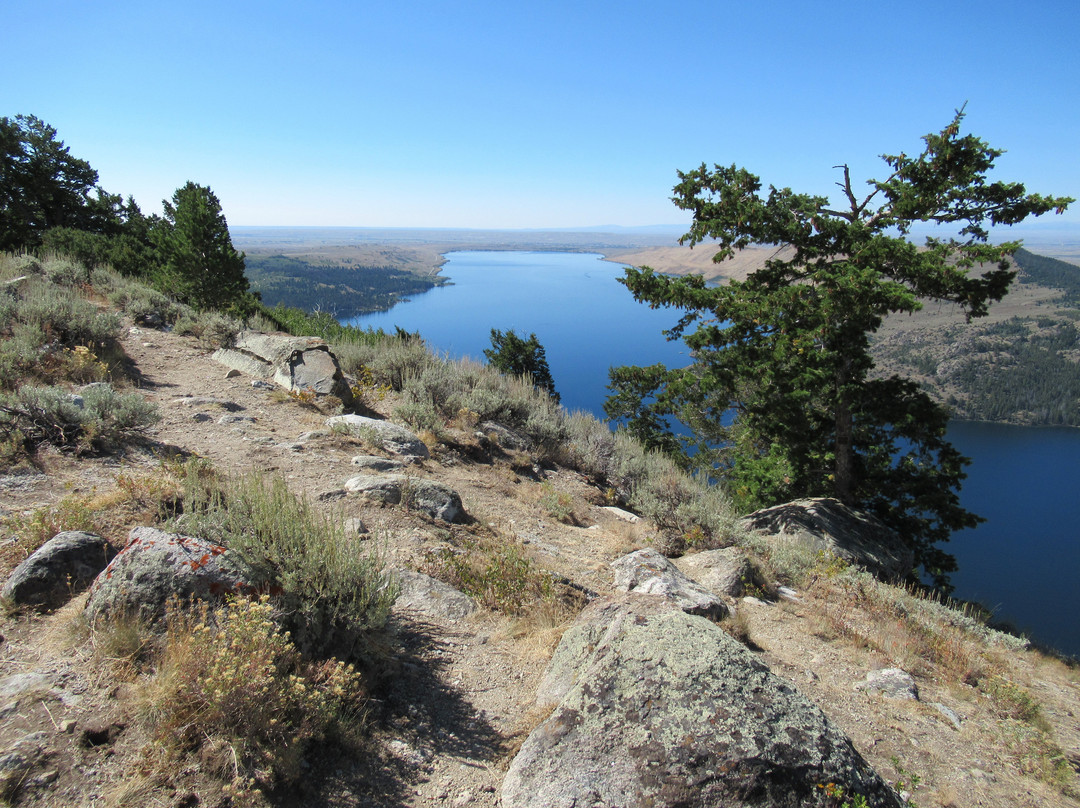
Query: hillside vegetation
{"x": 362, "y": 703}
{"x": 1020, "y": 364}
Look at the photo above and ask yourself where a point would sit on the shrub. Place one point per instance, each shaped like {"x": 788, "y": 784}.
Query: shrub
{"x": 211, "y": 328}
{"x": 65, "y": 271}
{"x": 495, "y": 572}
{"x": 99, "y": 419}
{"x": 140, "y": 301}
{"x": 61, "y": 313}
{"x": 233, "y": 685}
{"x": 330, "y": 588}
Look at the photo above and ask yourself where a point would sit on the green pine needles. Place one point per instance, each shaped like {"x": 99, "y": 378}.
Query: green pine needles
{"x": 779, "y": 400}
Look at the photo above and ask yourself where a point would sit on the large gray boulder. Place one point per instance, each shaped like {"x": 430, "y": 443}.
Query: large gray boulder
{"x": 388, "y": 436}
{"x": 431, "y": 498}
{"x": 648, "y": 572}
{"x": 295, "y": 363}
{"x": 829, "y": 525}
{"x": 655, "y": 707}
{"x": 727, "y": 571}
{"x": 63, "y": 566}
{"x": 156, "y": 566}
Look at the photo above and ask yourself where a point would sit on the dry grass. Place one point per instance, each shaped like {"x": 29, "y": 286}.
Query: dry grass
{"x": 134, "y": 499}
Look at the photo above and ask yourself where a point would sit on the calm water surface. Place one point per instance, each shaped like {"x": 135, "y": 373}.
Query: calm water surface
{"x": 1023, "y": 562}
{"x": 585, "y": 320}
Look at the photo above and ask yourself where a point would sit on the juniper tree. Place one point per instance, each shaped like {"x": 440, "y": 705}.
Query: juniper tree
{"x": 780, "y": 399}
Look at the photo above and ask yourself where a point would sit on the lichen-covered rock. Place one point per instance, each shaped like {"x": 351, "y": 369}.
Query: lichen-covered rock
{"x": 434, "y": 499}
{"x": 727, "y": 571}
{"x": 63, "y": 566}
{"x": 156, "y": 566}
{"x": 648, "y": 572}
{"x": 827, "y": 524}
{"x": 378, "y": 464}
{"x": 504, "y": 436}
{"x": 655, "y": 707}
{"x": 391, "y": 437}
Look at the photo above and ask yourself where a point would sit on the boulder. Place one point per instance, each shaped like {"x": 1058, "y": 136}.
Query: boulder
{"x": 829, "y": 525}
{"x": 430, "y": 596}
{"x": 656, "y": 707}
{"x": 391, "y": 437}
{"x": 156, "y": 566}
{"x": 648, "y": 572}
{"x": 295, "y": 363}
{"x": 63, "y": 566}
{"x": 434, "y": 499}
{"x": 727, "y": 571}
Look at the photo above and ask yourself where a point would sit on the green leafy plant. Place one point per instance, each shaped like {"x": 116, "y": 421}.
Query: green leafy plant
{"x": 496, "y": 572}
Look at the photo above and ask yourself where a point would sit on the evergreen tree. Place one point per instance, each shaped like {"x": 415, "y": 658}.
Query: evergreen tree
{"x": 41, "y": 184}
{"x": 780, "y": 398}
{"x": 200, "y": 266}
{"x": 511, "y": 354}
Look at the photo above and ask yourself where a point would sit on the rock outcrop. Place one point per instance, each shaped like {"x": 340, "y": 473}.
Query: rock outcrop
{"x": 727, "y": 571}
{"x": 156, "y": 566}
{"x": 648, "y": 572}
{"x": 386, "y": 435}
{"x": 295, "y": 363}
{"x": 425, "y": 496}
{"x": 827, "y": 524}
{"x": 655, "y": 707}
{"x": 63, "y": 566}
{"x": 429, "y": 596}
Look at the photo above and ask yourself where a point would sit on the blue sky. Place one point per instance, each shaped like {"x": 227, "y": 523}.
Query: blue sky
{"x": 528, "y": 114}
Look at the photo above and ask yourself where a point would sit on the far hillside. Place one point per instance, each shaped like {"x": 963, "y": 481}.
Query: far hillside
{"x": 1020, "y": 364}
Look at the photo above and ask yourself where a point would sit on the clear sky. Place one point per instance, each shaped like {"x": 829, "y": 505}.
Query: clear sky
{"x": 514, "y": 113}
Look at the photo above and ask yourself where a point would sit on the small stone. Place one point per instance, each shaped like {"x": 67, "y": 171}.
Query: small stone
{"x": 949, "y": 714}
{"x": 67, "y": 726}
{"x": 892, "y": 683}
{"x": 259, "y": 384}
{"x": 356, "y": 527}
{"x": 232, "y": 374}
{"x": 236, "y": 419}
{"x": 45, "y": 778}
{"x": 201, "y": 417}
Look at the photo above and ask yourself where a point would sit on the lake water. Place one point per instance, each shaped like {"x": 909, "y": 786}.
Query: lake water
{"x": 586, "y": 321}
{"x": 1023, "y": 562}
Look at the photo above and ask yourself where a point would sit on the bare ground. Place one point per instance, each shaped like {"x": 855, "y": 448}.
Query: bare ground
{"x": 459, "y": 694}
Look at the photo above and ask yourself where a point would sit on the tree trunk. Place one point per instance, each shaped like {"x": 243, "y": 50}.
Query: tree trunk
{"x": 844, "y": 470}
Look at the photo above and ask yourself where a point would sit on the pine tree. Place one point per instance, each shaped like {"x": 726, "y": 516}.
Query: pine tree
{"x": 780, "y": 398}
{"x": 200, "y": 266}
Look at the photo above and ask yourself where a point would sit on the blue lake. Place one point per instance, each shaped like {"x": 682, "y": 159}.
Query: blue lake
{"x": 1023, "y": 562}
{"x": 586, "y": 321}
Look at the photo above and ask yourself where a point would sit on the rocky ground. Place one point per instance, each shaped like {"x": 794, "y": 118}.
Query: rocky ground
{"x": 458, "y": 699}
